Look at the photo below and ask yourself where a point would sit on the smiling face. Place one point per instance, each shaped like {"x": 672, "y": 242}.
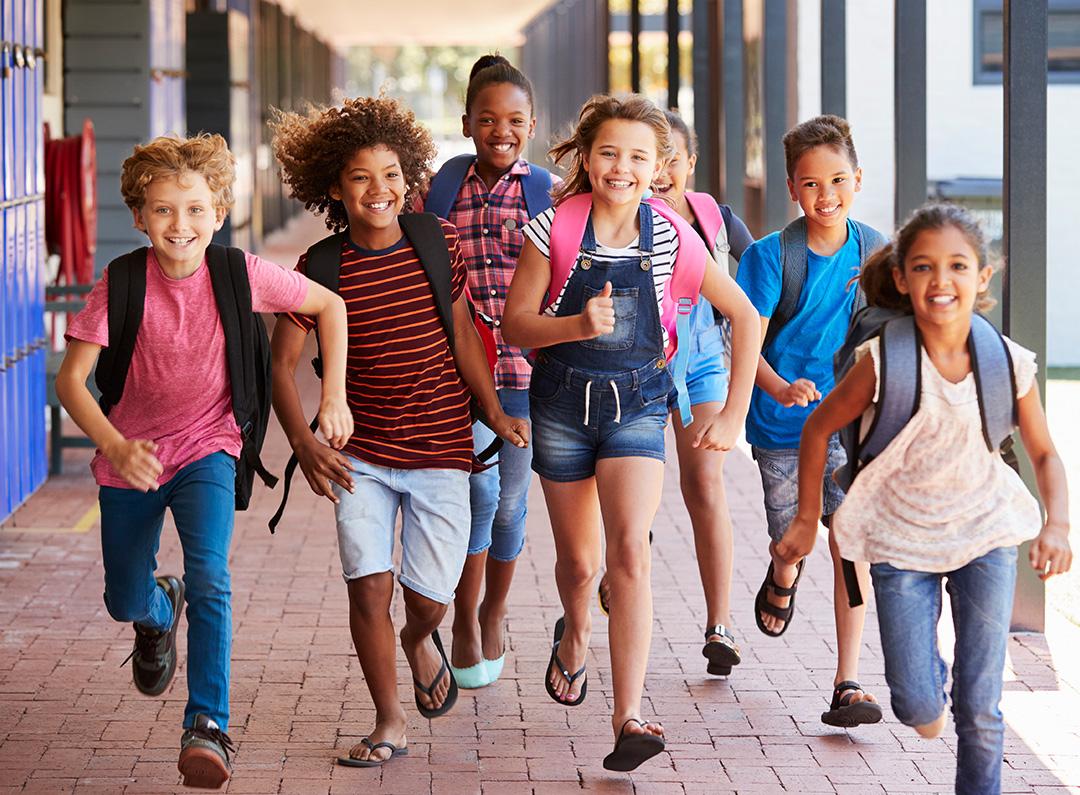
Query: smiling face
{"x": 941, "y": 275}
{"x": 670, "y": 183}
{"x": 824, "y": 184}
{"x": 179, "y": 217}
{"x": 500, "y": 122}
{"x": 622, "y": 161}
{"x": 372, "y": 188}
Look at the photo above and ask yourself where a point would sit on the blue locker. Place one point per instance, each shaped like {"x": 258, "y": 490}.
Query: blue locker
{"x": 39, "y": 92}
{"x": 18, "y": 103}
{"x": 7, "y": 93}
{"x": 39, "y": 458}
{"x": 22, "y": 374}
{"x": 7, "y": 418}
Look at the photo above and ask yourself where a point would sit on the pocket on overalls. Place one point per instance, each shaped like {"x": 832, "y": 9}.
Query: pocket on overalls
{"x": 656, "y": 389}
{"x": 625, "y": 300}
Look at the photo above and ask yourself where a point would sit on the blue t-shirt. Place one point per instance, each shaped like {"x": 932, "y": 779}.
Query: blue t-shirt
{"x": 804, "y": 347}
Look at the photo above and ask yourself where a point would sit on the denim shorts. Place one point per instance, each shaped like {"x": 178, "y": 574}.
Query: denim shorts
{"x": 579, "y": 417}
{"x": 435, "y": 521}
{"x": 707, "y": 375}
{"x": 780, "y": 481}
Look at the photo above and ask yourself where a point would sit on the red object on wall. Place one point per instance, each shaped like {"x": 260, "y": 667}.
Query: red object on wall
{"x": 71, "y": 203}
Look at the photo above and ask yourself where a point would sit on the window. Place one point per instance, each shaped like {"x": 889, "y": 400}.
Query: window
{"x": 1063, "y": 46}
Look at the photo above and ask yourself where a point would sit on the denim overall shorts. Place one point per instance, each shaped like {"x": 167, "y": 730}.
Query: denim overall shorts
{"x": 604, "y": 397}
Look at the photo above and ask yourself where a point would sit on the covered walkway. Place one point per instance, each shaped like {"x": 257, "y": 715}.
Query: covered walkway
{"x": 71, "y": 721}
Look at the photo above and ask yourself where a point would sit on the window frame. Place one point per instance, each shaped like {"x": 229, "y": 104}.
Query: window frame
{"x": 981, "y": 77}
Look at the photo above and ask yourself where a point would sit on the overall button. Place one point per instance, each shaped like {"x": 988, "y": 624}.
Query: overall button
{"x": 661, "y": 364}
{"x": 586, "y": 263}
{"x": 646, "y": 264}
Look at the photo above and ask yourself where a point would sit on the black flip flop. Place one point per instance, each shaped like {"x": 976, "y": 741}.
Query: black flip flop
{"x": 633, "y": 749}
{"x": 722, "y": 654}
{"x": 451, "y": 694}
{"x": 763, "y": 605}
{"x": 845, "y": 714}
{"x": 560, "y": 627}
{"x": 349, "y": 761}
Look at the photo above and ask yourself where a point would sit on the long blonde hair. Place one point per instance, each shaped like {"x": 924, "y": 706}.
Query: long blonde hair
{"x": 597, "y": 110}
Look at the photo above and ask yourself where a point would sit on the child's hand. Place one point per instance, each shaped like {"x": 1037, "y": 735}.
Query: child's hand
{"x": 599, "y": 315}
{"x": 321, "y": 465}
{"x": 798, "y": 540}
{"x": 718, "y": 432}
{"x": 1050, "y": 553}
{"x": 335, "y": 420}
{"x": 134, "y": 459}
{"x": 800, "y": 392}
{"x": 513, "y": 429}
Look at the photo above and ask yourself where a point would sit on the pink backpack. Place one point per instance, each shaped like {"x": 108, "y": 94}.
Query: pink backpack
{"x": 680, "y": 293}
{"x": 707, "y": 213}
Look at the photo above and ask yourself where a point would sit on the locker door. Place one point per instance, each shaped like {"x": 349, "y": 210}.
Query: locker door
{"x": 7, "y": 418}
{"x": 22, "y": 374}
{"x": 18, "y": 102}
{"x": 7, "y": 94}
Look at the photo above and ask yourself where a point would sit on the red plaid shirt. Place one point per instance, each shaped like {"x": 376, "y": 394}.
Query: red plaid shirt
{"x": 489, "y": 225}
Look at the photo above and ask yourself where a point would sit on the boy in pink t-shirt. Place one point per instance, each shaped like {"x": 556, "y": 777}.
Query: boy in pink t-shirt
{"x": 171, "y": 441}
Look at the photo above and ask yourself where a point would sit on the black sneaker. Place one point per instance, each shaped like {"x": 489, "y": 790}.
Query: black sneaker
{"x": 204, "y": 754}
{"x": 153, "y": 660}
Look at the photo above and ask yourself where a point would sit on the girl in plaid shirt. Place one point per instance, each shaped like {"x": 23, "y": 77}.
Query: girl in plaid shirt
{"x": 490, "y": 209}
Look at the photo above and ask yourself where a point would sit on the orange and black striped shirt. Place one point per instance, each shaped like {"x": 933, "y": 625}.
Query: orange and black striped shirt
{"x": 409, "y": 405}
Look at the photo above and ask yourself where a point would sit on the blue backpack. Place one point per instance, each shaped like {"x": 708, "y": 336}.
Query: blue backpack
{"x": 536, "y": 185}
{"x": 900, "y": 387}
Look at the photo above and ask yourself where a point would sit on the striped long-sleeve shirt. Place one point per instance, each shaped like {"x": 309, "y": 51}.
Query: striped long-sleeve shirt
{"x": 409, "y": 405}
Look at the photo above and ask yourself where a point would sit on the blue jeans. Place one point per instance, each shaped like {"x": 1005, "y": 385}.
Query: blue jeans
{"x": 908, "y": 606}
{"x": 201, "y": 497}
{"x": 499, "y": 495}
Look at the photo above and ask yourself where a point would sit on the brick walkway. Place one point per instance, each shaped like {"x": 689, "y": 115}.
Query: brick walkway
{"x": 70, "y": 720}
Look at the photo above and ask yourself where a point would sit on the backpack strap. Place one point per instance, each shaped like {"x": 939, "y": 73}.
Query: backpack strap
{"x": 994, "y": 382}
{"x": 323, "y": 266}
{"x": 127, "y": 294}
{"x": 425, "y": 233}
{"x": 708, "y": 215}
{"x": 567, "y": 231}
{"x": 446, "y": 184}
{"x": 232, "y": 293}
{"x": 793, "y": 264}
{"x": 536, "y": 188}
{"x": 898, "y": 396}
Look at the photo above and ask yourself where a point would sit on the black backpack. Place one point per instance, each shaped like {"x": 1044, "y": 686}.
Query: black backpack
{"x": 424, "y": 232}
{"x": 900, "y": 387}
{"x": 247, "y": 350}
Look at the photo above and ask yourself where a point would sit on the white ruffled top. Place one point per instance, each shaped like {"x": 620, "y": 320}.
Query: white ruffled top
{"x": 936, "y": 498}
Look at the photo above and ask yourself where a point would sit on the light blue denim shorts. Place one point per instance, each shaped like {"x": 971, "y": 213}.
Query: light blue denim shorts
{"x": 780, "y": 481}
{"x": 707, "y": 375}
{"x": 435, "y": 523}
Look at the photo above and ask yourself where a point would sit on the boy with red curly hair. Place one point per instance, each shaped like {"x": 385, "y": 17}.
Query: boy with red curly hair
{"x": 409, "y": 390}
{"x": 171, "y": 440}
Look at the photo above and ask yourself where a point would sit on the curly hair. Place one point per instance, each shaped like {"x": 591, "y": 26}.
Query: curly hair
{"x": 171, "y": 156}
{"x": 597, "y": 110}
{"x": 827, "y": 130}
{"x": 876, "y": 276}
{"x": 314, "y": 148}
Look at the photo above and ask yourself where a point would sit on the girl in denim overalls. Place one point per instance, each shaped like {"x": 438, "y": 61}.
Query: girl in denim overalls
{"x": 598, "y": 395}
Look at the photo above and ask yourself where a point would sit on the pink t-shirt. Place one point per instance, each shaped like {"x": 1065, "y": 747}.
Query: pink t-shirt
{"x": 177, "y": 391}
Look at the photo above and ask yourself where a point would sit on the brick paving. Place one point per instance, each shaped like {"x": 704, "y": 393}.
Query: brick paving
{"x": 71, "y": 721}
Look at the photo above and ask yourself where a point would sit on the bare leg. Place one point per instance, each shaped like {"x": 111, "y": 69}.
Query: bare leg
{"x": 701, "y": 477}
{"x": 466, "y": 648}
{"x": 784, "y": 575}
{"x": 849, "y": 622}
{"x": 373, "y": 638}
{"x": 422, "y": 617}
{"x": 629, "y": 490}
{"x": 500, "y": 573}
{"x": 574, "y": 510}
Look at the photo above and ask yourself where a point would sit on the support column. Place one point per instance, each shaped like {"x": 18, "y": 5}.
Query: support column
{"x": 775, "y": 43}
{"x": 909, "y": 87}
{"x": 708, "y": 75}
{"x": 635, "y": 46}
{"x": 733, "y": 106}
{"x": 834, "y": 57}
{"x": 1024, "y": 244}
{"x": 673, "y": 57}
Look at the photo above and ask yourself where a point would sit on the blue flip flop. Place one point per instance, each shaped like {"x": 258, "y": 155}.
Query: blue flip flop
{"x": 473, "y": 677}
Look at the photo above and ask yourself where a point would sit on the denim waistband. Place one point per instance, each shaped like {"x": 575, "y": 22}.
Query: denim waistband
{"x": 575, "y": 377}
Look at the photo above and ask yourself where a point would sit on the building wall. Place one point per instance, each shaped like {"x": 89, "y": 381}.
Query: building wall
{"x": 964, "y": 132}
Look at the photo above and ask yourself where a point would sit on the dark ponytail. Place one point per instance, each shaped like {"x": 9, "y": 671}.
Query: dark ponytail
{"x": 492, "y": 69}
{"x": 876, "y": 280}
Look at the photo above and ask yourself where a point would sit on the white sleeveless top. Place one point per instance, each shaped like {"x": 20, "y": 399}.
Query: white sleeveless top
{"x": 936, "y": 498}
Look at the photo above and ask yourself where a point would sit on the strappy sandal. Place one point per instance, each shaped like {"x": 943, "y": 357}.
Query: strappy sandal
{"x": 763, "y": 605}
{"x": 604, "y": 606}
{"x": 722, "y": 654}
{"x": 351, "y": 761}
{"x": 633, "y": 749}
{"x": 451, "y": 693}
{"x": 560, "y": 627}
{"x": 845, "y": 713}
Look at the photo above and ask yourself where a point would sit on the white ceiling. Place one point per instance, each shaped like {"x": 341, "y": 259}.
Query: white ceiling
{"x": 345, "y": 23}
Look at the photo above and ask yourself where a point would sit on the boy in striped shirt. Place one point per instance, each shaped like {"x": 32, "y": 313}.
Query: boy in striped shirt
{"x": 409, "y": 393}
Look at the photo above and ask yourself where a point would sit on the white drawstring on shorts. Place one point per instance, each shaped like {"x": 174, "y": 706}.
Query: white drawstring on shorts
{"x": 618, "y": 405}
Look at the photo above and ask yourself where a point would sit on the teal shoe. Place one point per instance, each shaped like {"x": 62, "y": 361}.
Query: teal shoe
{"x": 473, "y": 677}
{"x": 495, "y": 668}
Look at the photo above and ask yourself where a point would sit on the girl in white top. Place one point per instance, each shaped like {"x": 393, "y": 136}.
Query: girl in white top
{"x": 936, "y": 503}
